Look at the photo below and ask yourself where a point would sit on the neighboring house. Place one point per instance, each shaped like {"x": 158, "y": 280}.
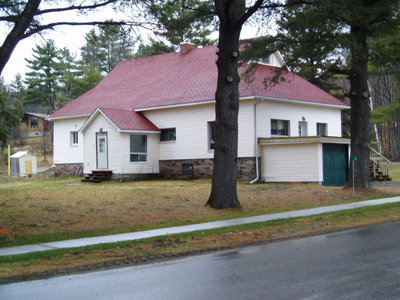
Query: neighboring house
{"x": 156, "y": 115}
{"x": 34, "y": 125}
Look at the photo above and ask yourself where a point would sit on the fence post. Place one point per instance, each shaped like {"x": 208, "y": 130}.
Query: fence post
{"x": 9, "y": 160}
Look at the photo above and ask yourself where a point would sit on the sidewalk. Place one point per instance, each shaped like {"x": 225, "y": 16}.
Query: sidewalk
{"x": 188, "y": 228}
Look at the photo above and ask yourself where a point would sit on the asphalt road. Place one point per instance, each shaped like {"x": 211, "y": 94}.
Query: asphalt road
{"x": 356, "y": 264}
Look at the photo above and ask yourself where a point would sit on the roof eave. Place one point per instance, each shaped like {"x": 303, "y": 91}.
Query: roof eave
{"x": 297, "y": 102}
{"x": 138, "y": 131}
{"x": 243, "y": 98}
{"x": 68, "y": 117}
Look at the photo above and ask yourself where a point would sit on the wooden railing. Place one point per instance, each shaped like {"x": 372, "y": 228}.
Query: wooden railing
{"x": 380, "y": 165}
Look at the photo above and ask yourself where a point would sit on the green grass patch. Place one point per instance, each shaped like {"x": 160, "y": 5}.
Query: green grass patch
{"x": 334, "y": 221}
{"x": 395, "y": 172}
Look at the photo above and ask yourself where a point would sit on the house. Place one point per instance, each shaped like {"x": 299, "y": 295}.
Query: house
{"x": 155, "y": 116}
{"x": 34, "y": 125}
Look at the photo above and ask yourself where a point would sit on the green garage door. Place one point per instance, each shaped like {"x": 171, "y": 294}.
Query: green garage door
{"x": 335, "y": 160}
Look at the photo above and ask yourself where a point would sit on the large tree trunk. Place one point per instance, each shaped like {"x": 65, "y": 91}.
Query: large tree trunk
{"x": 18, "y": 31}
{"x": 360, "y": 109}
{"x": 223, "y": 190}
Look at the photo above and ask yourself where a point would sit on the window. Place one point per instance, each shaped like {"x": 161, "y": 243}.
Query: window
{"x": 302, "y": 128}
{"x": 211, "y": 135}
{"x": 34, "y": 123}
{"x": 138, "y": 148}
{"x": 168, "y": 134}
{"x": 74, "y": 138}
{"x": 321, "y": 129}
{"x": 280, "y": 127}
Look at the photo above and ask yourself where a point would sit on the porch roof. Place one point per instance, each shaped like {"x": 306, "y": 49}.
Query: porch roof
{"x": 303, "y": 140}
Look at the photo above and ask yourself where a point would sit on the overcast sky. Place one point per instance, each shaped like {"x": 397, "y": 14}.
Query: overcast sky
{"x": 72, "y": 37}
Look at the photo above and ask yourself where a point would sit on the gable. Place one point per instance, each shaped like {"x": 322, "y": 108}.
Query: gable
{"x": 123, "y": 120}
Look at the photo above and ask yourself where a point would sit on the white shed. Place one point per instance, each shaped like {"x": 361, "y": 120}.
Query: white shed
{"x": 23, "y": 164}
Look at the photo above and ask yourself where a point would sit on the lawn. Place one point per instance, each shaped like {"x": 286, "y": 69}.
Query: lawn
{"x": 47, "y": 208}
{"x": 395, "y": 171}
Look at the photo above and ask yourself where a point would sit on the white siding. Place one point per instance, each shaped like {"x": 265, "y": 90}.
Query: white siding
{"x": 152, "y": 164}
{"x": 191, "y": 125}
{"x": 63, "y": 151}
{"x": 294, "y": 162}
{"x": 294, "y": 113}
{"x": 118, "y": 146}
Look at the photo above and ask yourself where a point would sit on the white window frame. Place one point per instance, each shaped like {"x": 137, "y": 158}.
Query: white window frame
{"x": 74, "y": 138}
{"x": 36, "y": 126}
{"x": 139, "y": 154}
{"x": 325, "y": 126}
{"x": 170, "y": 134}
{"x": 287, "y": 127}
{"x": 303, "y": 128}
{"x": 211, "y": 140}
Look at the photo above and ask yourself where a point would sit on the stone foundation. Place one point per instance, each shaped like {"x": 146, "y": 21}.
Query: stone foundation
{"x": 64, "y": 170}
{"x": 203, "y": 168}
{"x": 134, "y": 177}
{"x": 174, "y": 169}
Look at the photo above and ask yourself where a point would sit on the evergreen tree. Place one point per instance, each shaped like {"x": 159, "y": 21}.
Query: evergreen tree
{"x": 153, "y": 48}
{"x": 182, "y": 20}
{"x": 91, "y": 53}
{"x": 44, "y": 79}
{"x": 68, "y": 70}
{"x": 17, "y": 87}
{"x": 322, "y": 31}
{"x": 8, "y": 117}
{"x": 25, "y": 18}
{"x": 106, "y": 48}
{"x": 385, "y": 90}
{"x": 83, "y": 80}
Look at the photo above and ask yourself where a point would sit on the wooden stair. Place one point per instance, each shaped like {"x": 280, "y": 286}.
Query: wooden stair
{"x": 98, "y": 176}
{"x": 378, "y": 175}
{"x": 379, "y": 167}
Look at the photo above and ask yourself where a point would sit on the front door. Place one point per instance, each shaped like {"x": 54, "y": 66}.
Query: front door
{"x": 102, "y": 152}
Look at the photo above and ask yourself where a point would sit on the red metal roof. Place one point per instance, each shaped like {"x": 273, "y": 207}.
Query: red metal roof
{"x": 129, "y": 120}
{"x": 178, "y": 79}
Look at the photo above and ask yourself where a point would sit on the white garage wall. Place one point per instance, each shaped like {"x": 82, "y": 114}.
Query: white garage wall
{"x": 294, "y": 162}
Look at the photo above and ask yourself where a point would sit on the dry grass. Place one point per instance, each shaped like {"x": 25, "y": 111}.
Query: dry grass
{"x": 34, "y": 206}
{"x": 81, "y": 260}
{"x": 395, "y": 171}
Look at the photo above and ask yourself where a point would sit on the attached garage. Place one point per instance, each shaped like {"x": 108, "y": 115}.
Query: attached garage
{"x": 322, "y": 160}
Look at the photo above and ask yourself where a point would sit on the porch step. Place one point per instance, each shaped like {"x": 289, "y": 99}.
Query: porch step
{"x": 98, "y": 176}
{"x": 379, "y": 175}
{"x": 379, "y": 167}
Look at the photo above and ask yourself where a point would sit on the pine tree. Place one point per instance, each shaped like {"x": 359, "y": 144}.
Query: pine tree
{"x": 8, "y": 116}
{"x": 182, "y": 21}
{"x": 106, "y": 48}
{"x": 319, "y": 33}
{"x": 44, "y": 79}
{"x": 154, "y": 47}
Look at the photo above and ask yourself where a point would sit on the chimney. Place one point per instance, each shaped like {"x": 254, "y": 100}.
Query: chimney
{"x": 186, "y": 47}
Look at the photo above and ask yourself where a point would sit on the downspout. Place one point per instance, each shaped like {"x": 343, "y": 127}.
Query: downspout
{"x": 256, "y": 144}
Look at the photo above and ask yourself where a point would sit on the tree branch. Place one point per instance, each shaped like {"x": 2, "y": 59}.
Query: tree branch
{"x": 75, "y": 7}
{"x": 40, "y": 28}
{"x": 250, "y": 12}
{"x": 18, "y": 31}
